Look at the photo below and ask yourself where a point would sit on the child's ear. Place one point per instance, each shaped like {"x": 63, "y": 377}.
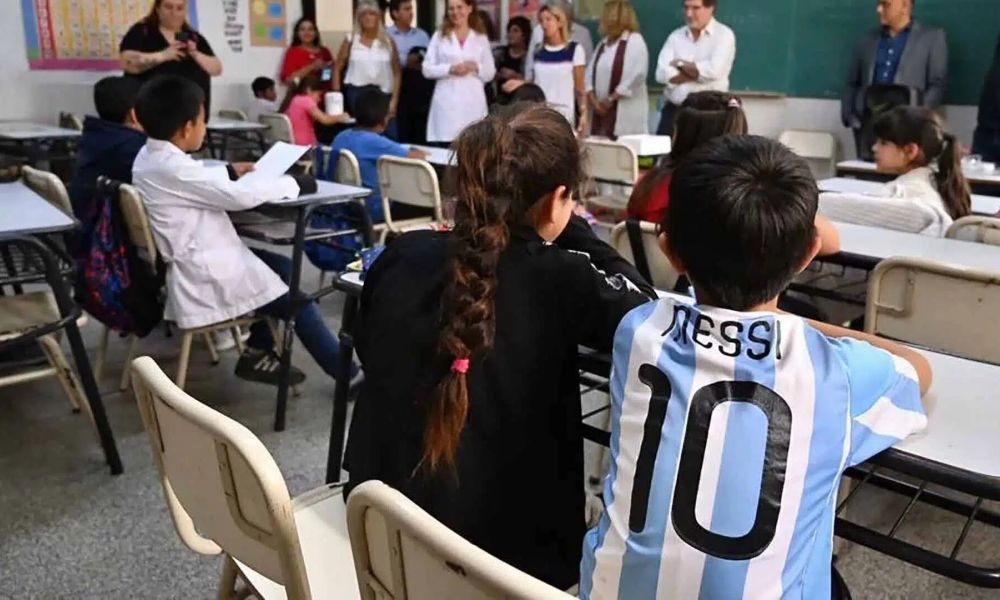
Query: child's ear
{"x": 817, "y": 245}
{"x": 912, "y": 152}
{"x": 675, "y": 261}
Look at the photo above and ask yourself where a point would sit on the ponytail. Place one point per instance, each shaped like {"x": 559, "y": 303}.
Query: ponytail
{"x": 951, "y": 182}
{"x": 304, "y": 85}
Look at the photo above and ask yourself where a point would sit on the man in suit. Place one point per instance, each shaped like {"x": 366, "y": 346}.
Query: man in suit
{"x": 987, "y": 139}
{"x": 899, "y": 52}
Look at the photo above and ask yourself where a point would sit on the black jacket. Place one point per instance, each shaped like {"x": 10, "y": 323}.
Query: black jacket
{"x": 518, "y": 487}
{"x": 105, "y": 149}
{"x": 989, "y": 102}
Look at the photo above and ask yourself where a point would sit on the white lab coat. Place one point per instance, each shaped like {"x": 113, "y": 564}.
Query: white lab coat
{"x": 910, "y": 203}
{"x": 633, "y": 107}
{"x": 457, "y": 101}
{"x": 211, "y": 274}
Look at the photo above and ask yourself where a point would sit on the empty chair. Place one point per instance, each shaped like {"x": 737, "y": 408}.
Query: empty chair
{"x": 615, "y": 167}
{"x": 279, "y": 127}
{"x": 412, "y": 182}
{"x": 48, "y": 186}
{"x": 403, "y": 553}
{"x": 68, "y": 120}
{"x": 650, "y": 262}
{"x": 226, "y": 495}
{"x": 819, "y": 148}
{"x": 233, "y": 113}
{"x": 985, "y": 230}
{"x": 916, "y": 300}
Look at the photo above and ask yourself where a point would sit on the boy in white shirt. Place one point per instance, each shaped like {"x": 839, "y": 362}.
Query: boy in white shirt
{"x": 265, "y": 98}
{"x": 212, "y": 275}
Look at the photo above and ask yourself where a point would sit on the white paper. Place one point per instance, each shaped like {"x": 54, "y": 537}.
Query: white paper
{"x": 276, "y": 162}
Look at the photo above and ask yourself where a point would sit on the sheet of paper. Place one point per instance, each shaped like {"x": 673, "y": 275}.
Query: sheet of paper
{"x": 275, "y": 162}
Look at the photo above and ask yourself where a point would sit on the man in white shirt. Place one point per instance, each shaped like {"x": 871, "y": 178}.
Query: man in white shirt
{"x": 577, "y": 33}
{"x": 695, "y": 58}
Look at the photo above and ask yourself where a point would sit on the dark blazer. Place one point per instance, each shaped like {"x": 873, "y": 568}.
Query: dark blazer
{"x": 923, "y": 67}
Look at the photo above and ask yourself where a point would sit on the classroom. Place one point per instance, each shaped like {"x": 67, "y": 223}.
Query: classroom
{"x": 488, "y": 299}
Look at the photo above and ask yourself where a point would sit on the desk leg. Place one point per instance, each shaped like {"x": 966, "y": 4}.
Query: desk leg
{"x": 288, "y": 335}
{"x": 225, "y": 146}
{"x": 341, "y": 392}
{"x": 262, "y": 141}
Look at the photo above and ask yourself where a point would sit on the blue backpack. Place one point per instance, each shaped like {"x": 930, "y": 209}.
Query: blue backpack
{"x": 336, "y": 253}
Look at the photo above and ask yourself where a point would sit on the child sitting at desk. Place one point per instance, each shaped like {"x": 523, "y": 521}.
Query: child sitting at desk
{"x": 212, "y": 276}
{"x": 265, "y": 98}
{"x": 368, "y": 145}
{"x": 302, "y": 106}
{"x": 732, "y": 421}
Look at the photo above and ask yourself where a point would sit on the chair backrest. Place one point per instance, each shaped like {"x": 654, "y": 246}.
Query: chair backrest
{"x": 612, "y": 162}
{"x": 223, "y": 488}
{"x": 348, "y": 169}
{"x": 233, "y": 113}
{"x": 68, "y": 120}
{"x": 137, "y": 222}
{"x": 409, "y": 181}
{"x": 915, "y": 300}
{"x": 985, "y": 230}
{"x": 280, "y": 128}
{"x": 403, "y": 553}
{"x": 818, "y": 148}
{"x": 661, "y": 272}
{"x": 900, "y": 214}
{"x": 48, "y": 186}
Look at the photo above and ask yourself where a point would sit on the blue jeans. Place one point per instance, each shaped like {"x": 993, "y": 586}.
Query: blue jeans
{"x": 986, "y": 143}
{"x": 318, "y": 340}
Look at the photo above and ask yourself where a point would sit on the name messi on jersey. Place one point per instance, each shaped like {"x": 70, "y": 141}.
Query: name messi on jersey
{"x": 757, "y": 339}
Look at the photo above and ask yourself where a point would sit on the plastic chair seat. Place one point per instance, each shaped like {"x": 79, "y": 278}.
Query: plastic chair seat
{"x": 321, "y": 521}
{"x": 24, "y": 312}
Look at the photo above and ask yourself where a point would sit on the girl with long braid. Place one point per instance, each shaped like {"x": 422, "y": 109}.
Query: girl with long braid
{"x": 469, "y": 341}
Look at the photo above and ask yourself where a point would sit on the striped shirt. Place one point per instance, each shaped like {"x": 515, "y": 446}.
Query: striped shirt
{"x": 730, "y": 432}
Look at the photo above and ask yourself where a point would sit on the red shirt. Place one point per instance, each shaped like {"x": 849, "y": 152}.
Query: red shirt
{"x": 656, "y": 208}
{"x": 298, "y": 57}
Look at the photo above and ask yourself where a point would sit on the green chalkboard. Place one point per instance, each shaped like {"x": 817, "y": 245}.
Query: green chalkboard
{"x": 804, "y": 47}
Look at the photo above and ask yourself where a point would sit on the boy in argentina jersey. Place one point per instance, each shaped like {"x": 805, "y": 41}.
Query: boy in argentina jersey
{"x": 732, "y": 422}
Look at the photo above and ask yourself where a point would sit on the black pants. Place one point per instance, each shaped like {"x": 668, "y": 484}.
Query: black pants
{"x": 986, "y": 143}
{"x": 667, "y": 117}
{"x": 863, "y": 142}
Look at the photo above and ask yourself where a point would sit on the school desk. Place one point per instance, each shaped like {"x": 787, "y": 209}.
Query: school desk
{"x": 439, "y": 157}
{"x": 25, "y": 220}
{"x": 286, "y": 223}
{"x": 221, "y": 130}
{"x": 982, "y": 183}
{"x": 350, "y": 283}
{"x": 37, "y": 142}
{"x": 981, "y": 204}
{"x": 864, "y": 247}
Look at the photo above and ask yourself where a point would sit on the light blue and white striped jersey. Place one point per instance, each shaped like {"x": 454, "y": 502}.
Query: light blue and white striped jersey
{"x": 729, "y": 435}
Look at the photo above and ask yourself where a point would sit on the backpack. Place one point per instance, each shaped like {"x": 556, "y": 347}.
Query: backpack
{"x": 336, "y": 253}
{"x": 113, "y": 284}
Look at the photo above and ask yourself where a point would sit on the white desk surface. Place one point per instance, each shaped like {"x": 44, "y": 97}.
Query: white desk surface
{"x": 23, "y": 212}
{"x": 223, "y": 124}
{"x": 442, "y": 157}
{"x": 878, "y": 244}
{"x": 24, "y": 130}
{"x": 983, "y": 205}
{"x": 647, "y": 144}
{"x": 869, "y": 167}
{"x": 327, "y": 192}
{"x": 963, "y": 423}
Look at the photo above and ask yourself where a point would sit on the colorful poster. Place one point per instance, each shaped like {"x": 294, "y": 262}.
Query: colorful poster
{"x": 81, "y": 34}
{"x": 268, "y": 23}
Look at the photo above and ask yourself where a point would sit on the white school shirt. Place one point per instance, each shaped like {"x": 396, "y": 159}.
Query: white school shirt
{"x": 713, "y": 53}
{"x": 729, "y": 434}
{"x": 910, "y": 203}
{"x": 211, "y": 274}
{"x": 457, "y": 101}
{"x": 370, "y": 66}
{"x": 633, "y": 107}
{"x": 551, "y": 68}
{"x": 260, "y": 106}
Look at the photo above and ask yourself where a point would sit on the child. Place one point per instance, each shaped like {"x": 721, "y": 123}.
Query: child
{"x": 368, "y": 144}
{"x": 108, "y": 145}
{"x": 265, "y": 98}
{"x": 302, "y": 105}
{"x": 732, "y": 422}
{"x": 212, "y": 275}
{"x": 529, "y": 92}
{"x": 469, "y": 344}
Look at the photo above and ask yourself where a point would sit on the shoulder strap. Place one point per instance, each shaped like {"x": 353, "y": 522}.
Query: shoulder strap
{"x": 634, "y": 230}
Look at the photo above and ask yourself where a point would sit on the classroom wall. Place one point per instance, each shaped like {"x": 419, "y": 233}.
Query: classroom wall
{"x": 41, "y": 95}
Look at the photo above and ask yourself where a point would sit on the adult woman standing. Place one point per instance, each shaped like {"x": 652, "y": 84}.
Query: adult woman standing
{"x": 461, "y": 61}
{"x": 510, "y": 59}
{"x": 164, "y": 43}
{"x": 616, "y": 75}
{"x": 557, "y": 66}
{"x": 306, "y": 56}
{"x": 370, "y": 58}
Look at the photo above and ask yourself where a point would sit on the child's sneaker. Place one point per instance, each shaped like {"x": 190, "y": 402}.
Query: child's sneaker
{"x": 264, "y": 366}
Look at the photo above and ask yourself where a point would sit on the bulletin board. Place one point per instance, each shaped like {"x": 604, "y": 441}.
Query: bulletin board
{"x": 81, "y": 34}
{"x": 268, "y": 23}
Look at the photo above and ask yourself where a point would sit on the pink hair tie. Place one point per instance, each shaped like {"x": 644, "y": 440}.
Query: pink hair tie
{"x": 460, "y": 365}
{"x": 735, "y": 103}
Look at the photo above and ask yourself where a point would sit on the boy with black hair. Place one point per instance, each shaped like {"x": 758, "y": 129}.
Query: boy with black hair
{"x": 265, "y": 98}
{"x": 212, "y": 275}
{"x": 732, "y": 422}
{"x": 366, "y": 142}
{"x": 108, "y": 144}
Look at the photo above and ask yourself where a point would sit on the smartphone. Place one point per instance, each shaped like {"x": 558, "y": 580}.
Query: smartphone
{"x": 326, "y": 74}
{"x": 183, "y": 36}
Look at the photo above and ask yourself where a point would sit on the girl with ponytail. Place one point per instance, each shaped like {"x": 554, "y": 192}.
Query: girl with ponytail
{"x": 469, "y": 341}
{"x": 912, "y": 143}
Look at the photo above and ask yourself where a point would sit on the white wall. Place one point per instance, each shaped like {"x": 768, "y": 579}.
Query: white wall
{"x": 40, "y": 95}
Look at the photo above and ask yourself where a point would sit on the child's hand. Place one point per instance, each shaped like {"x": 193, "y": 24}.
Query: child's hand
{"x": 242, "y": 168}
{"x": 342, "y": 117}
{"x": 511, "y": 85}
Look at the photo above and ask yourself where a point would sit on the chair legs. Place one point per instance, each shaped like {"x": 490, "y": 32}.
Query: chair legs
{"x": 133, "y": 342}
{"x": 227, "y": 583}
{"x": 238, "y": 340}
{"x": 210, "y": 343}
{"x": 185, "y": 357}
{"x": 102, "y": 354}
{"x": 65, "y": 375}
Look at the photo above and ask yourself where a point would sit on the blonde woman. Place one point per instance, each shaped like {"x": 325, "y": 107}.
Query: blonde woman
{"x": 370, "y": 58}
{"x": 460, "y": 59}
{"x": 616, "y": 75}
{"x": 557, "y": 66}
